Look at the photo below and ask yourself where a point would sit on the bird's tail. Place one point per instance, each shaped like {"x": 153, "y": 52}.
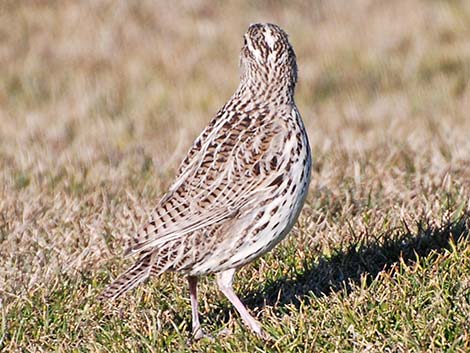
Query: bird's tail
{"x": 130, "y": 279}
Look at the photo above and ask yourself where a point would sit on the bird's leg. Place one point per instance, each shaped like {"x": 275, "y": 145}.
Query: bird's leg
{"x": 197, "y": 331}
{"x": 224, "y": 281}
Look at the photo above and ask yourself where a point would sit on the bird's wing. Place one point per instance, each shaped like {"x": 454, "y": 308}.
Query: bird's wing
{"x": 232, "y": 164}
{"x": 182, "y": 227}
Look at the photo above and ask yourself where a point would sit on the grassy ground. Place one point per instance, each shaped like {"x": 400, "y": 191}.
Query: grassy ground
{"x": 99, "y": 101}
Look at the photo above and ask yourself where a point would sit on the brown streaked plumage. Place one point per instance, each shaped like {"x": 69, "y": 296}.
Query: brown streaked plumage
{"x": 242, "y": 185}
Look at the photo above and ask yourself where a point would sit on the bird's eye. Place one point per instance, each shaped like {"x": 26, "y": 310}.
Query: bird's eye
{"x": 244, "y": 41}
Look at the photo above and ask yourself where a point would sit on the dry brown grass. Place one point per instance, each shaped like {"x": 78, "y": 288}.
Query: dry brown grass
{"x": 99, "y": 101}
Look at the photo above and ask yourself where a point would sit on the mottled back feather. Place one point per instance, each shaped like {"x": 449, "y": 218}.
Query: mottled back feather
{"x": 243, "y": 182}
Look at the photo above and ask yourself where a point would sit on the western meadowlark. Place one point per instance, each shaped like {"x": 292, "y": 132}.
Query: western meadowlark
{"x": 241, "y": 186}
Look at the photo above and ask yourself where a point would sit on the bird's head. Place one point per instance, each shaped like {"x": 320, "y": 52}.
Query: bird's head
{"x": 268, "y": 55}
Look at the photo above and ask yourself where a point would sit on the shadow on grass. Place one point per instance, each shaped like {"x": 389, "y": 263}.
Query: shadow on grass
{"x": 345, "y": 268}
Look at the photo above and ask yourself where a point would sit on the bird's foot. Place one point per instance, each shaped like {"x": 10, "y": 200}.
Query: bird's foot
{"x": 200, "y": 334}
{"x": 264, "y": 335}
{"x": 256, "y": 328}
{"x": 224, "y": 333}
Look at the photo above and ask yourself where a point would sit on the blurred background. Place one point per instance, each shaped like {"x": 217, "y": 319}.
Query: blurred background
{"x": 100, "y": 100}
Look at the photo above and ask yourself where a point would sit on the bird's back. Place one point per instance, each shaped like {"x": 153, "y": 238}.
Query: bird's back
{"x": 243, "y": 182}
{"x": 235, "y": 169}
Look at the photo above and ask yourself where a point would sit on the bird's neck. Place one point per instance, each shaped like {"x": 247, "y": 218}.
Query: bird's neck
{"x": 265, "y": 88}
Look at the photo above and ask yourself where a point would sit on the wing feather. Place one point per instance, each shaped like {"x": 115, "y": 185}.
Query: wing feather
{"x": 226, "y": 170}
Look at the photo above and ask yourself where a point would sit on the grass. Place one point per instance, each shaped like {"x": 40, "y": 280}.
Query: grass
{"x": 99, "y": 102}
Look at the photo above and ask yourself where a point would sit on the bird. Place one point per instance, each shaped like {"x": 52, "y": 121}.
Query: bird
{"x": 240, "y": 188}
